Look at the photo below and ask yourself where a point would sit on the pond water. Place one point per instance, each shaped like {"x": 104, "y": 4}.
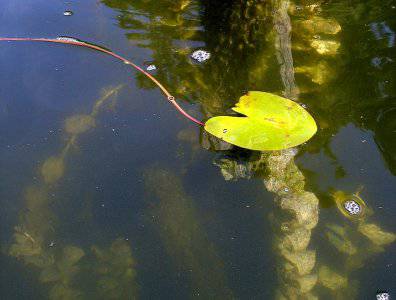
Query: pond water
{"x": 107, "y": 192}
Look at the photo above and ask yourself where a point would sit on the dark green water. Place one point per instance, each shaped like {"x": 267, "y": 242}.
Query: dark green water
{"x": 106, "y": 192}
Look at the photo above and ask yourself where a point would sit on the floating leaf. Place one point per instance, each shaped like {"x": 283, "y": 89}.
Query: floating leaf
{"x": 270, "y": 123}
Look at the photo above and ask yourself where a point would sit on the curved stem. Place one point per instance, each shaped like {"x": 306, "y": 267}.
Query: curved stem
{"x": 71, "y": 41}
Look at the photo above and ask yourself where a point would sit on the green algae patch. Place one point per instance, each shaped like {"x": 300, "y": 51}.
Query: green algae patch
{"x": 183, "y": 235}
{"x": 116, "y": 271}
{"x": 78, "y": 124}
{"x": 52, "y": 169}
{"x": 270, "y": 122}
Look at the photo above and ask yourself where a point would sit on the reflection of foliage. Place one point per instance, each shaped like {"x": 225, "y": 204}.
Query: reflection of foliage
{"x": 284, "y": 178}
{"x": 168, "y": 28}
{"x": 357, "y": 244}
{"x": 184, "y": 237}
{"x": 376, "y": 235}
{"x": 363, "y": 80}
{"x": 237, "y": 35}
{"x": 116, "y": 270}
{"x": 233, "y": 169}
{"x": 172, "y": 35}
{"x": 385, "y": 136}
{"x": 338, "y": 237}
{"x": 296, "y": 216}
{"x": 331, "y": 279}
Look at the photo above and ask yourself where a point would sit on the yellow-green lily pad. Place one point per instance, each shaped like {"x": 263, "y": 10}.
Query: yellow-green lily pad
{"x": 271, "y": 122}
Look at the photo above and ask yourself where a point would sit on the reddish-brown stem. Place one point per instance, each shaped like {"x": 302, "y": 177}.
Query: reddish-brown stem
{"x": 71, "y": 41}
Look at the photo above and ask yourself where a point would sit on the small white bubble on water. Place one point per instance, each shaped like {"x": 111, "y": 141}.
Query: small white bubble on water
{"x": 67, "y": 39}
{"x": 151, "y": 68}
{"x": 352, "y": 207}
{"x": 200, "y": 55}
{"x": 383, "y": 296}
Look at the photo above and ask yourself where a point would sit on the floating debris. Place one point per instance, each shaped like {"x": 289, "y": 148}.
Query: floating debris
{"x": 200, "y": 55}
{"x": 68, "y": 13}
{"x": 151, "y": 68}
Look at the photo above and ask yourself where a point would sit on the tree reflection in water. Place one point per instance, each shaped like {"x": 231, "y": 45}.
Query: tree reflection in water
{"x": 244, "y": 38}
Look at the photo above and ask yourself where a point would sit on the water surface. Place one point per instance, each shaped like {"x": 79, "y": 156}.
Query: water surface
{"x": 107, "y": 192}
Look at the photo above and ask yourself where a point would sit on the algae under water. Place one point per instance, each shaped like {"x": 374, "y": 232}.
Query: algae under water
{"x": 105, "y": 194}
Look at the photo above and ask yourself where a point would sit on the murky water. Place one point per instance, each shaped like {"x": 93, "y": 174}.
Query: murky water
{"x": 106, "y": 192}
